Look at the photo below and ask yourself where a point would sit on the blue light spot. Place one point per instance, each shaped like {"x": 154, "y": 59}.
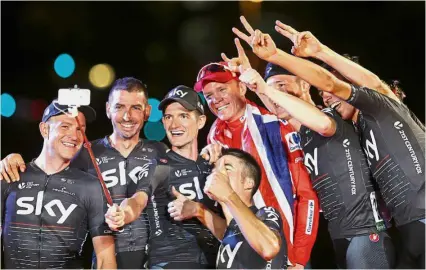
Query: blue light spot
{"x": 64, "y": 65}
{"x": 8, "y": 105}
{"x": 154, "y": 131}
{"x": 156, "y": 114}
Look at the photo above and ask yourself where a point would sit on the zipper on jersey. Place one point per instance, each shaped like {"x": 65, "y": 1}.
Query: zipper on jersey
{"x": 41, "y": 222}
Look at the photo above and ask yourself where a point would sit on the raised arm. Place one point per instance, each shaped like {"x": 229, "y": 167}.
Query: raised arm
{"x": 305, "y": 44}
{"x": 315, "y": 75}
{"x": 307, "y": 114}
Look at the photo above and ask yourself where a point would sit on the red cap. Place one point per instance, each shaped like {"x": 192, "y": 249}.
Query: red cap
{"x": 214, "y": 72}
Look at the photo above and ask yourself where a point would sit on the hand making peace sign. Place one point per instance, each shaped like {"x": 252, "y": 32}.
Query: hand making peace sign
{"x": 305, "y": 43}
{"x": 262, "y": 44}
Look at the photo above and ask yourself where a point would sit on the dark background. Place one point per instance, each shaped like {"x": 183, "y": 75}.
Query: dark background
{"x": 165, "y": 43}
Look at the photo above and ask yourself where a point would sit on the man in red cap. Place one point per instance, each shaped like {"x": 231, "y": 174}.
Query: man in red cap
{"x": 285, "y": 183}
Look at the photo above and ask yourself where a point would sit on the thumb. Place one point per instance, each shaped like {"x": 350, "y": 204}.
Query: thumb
{"x": 221, "y": 166}
{"x": 176, "y": 193}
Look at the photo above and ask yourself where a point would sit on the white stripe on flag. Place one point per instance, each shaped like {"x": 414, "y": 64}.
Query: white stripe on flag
{"x": 279, "y": 193}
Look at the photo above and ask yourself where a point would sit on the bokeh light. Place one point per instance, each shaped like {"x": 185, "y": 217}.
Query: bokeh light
{"x": 64, "y": 65}
{"x": 8, "y": 105}
{"x": 154, "y": 131}
{"x": 101, "y": 75}
{"x": 156, "y": 114}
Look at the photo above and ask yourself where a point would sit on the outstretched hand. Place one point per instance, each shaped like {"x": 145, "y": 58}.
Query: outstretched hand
{"x": 305, "y": 44}
{"x": 262, "y": 44}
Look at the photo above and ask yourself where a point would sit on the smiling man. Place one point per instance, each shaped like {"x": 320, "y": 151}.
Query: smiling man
{"x": 47, "y": 216}
{"x": 181, "y": 174}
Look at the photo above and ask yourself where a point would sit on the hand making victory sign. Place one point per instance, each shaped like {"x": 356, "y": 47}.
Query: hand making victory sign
{"x": 262, "y": 44}
{"x": 305, "y": 44}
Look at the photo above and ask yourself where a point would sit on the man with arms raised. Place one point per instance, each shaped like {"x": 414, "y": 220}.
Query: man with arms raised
{"x": 392, "y": 139}
{"x": 47, "y": 215}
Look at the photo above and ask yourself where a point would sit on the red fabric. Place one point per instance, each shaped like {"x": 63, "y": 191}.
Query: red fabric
{"x": 230, "y": 134}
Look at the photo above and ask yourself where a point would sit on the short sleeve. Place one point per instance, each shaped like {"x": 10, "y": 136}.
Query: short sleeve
{"x": 271, "y": 218}
{"x": 368, "y": 100}
{"x": 154, "y": 177}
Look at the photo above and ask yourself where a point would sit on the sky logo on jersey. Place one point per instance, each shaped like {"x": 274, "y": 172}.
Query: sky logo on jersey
{"x": 398, "y": 125}
{"x": 311, "y": 163}
{"x": 187, "y": 189}
{"x": 135, "y": 175}
{"x": 230, "y": 252}
{"x": 26, "y": 208}
{"x": 272, "y": 215}
{"x": 371, "y": 149}
{"x": 346, "y": 143}
{"x": 293, "y": 141}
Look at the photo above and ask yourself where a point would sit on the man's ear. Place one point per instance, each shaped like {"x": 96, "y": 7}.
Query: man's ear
{"x": 107, "y": 107}
{"x": 243, "y": 89}
{"x": 148, "y": 109}
{"x": 249, "y": 183}
{"x": 44, "y": 130}
{"x": 202, "y": 121}
{"x": 305, "y": 86}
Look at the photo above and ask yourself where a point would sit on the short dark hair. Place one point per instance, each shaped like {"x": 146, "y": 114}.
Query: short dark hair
{"x": 251, "y": 167}
{"x": 129, "y": 84}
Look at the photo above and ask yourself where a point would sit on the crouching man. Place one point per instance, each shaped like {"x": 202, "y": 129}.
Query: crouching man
{"x": 253, "y": 237}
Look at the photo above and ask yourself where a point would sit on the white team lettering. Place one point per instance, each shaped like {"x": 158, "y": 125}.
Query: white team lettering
{"x": 231, "y": 253}
{"x": 351, "y": 171}
{"x": 135, "y": 175}
{"x": 371, "y": 146}
{"x": 272, "y": 215}
{"x": 411, "y": 151}
{"x": 29, "y": 208}
{"x": 178, "y": 92}
{"x": 186, "y": 189}
{"x": 312, "y": 162}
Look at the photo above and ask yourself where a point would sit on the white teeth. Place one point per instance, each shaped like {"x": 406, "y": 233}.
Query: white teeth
{"x": 335, "y": 105}
{"x": 222, "y": 108}
{"x": 177, "y": 132}
{"x": 68, "y": 144}
{"x": 127, "y": 125}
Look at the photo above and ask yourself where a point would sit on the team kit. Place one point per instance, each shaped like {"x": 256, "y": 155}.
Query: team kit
{"x": 252, "y": 197}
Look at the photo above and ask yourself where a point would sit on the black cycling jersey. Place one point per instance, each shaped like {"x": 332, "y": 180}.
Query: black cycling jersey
{"x": 394, "y": 144}
{"x": 171, "y": 241}
{"x": 341, "y": 177}
{"x": 121, "y": 176}
{"x": 46, "y": 218}
{"x": 236, "y": 253}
